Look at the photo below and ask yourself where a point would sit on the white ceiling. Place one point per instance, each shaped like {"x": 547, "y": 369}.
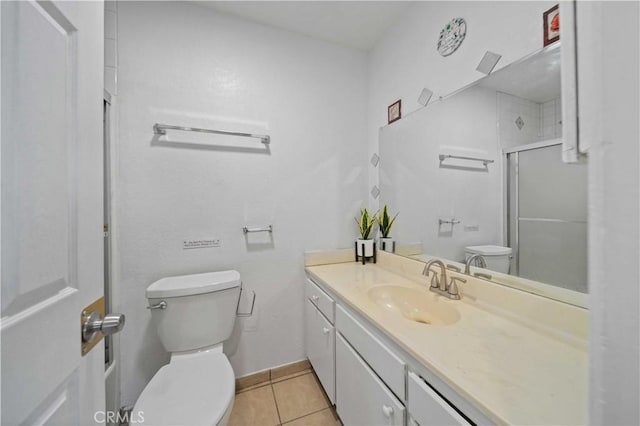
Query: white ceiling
{"x": 358, "y": 24}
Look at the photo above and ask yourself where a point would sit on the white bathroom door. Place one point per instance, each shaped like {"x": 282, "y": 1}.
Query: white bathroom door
{"x": 51, "y": 204}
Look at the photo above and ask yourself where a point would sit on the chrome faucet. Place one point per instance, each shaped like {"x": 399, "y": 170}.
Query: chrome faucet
{"x": 441, "y": 286}
{"x": 478, "y": 260}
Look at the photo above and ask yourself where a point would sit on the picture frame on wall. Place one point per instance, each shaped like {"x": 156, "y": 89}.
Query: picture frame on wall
{"x": 394, "y": 111}
{"x": 551, "y": 25}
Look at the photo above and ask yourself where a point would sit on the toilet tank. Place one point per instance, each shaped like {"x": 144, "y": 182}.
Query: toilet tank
{"x": 200, "y": 309}
{"x": 498, "y": 258}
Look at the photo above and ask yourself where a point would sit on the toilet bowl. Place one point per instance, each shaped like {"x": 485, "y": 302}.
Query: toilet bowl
{"x": 194, "y": 315}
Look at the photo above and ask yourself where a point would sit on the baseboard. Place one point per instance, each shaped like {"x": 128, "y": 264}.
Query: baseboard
{"x": 270, "y": 374}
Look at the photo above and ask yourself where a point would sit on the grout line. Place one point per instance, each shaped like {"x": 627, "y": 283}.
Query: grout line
{"x": 307, "y": 415}
{"x": 326, "y": 397}
{"x": 277, "y": 381}
{"x": 275, "y": 401}
{"x": 269, "y": 372}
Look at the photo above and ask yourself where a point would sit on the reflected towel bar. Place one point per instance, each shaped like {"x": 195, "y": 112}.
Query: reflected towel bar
{"x": 484, "y": 161}
{"x": 161, "y": 129}
{"x": 265, "y": 229}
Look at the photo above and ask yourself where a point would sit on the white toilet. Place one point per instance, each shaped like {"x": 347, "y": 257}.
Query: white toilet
{"x": 193, "y": 314}
{"x": 498, "y": 258}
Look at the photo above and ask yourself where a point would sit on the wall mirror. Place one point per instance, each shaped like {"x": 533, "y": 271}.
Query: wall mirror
{"x": 480, "y": 171}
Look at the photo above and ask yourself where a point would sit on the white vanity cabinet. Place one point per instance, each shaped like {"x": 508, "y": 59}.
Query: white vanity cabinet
{"x": 320, "y": 337}
{"x": 361, "y": 397}
{"x": 371, "y": 380}
{"x": 390, "y": 367}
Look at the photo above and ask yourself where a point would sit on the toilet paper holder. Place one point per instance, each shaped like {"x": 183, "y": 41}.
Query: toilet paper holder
{"x": 253, "y": 303}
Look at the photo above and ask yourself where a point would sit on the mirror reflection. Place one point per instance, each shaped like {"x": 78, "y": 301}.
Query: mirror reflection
{"x": 478, "y": 179}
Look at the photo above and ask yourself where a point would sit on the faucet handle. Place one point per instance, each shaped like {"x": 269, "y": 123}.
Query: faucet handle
{"x": 425, "y": 271}
{"x": 453, "y": 286}
{"x": 481, "y": 275}
{"x": 434, "y": 277}
{"x": 434, "y": 280}
{"x": 453, "y": 268}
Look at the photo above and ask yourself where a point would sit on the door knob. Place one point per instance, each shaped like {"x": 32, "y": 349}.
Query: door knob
{"x": 94, "y": 323}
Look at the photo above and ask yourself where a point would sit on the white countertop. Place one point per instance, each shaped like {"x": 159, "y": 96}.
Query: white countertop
{"x": 513, "y": 373}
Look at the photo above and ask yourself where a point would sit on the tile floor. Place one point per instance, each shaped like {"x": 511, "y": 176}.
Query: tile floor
{"x": 294, "y": 400}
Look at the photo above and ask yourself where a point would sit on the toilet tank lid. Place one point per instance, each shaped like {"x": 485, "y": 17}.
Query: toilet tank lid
{"x": 488, "y": 250}
{"x": 189, "y": 285}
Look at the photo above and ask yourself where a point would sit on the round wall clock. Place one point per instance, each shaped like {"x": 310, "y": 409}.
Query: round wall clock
{"x": 451, "y": 36}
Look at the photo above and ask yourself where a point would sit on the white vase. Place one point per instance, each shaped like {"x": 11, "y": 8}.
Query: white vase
{"x": 367, "y": 245}
{"x": 387, "y": 244}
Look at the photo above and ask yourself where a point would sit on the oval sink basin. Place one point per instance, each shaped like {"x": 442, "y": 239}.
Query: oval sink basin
{"x": 415, "y": 305}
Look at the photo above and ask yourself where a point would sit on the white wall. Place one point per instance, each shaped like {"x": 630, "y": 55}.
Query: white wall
{"x": 181, "y": 63}
{"x": 110, "y": 46}
{"x": 413, "y": 182}
{"x": 609, "y": 74}
{"x": 406, "y": 60}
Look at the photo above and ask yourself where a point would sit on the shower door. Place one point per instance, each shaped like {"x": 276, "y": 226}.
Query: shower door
{"x": 547, "y": 216}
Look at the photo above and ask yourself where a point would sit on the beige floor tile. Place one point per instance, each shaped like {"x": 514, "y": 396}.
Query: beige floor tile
{"x": 255, "y": 407}
{"x": 299, "y": 396}
{"x": 325, "y": 417}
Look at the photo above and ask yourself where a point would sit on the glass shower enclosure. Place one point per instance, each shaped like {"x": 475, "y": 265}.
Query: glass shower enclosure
{"x": 546, "y": 215}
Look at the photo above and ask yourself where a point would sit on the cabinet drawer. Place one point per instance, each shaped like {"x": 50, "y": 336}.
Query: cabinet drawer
{"x": 321, "y": 299}
{"x": 361, "y": 397}
{"x": 385, "y": 363}
{"x": 320, "y": 347}
{"x": 429, "y": 408}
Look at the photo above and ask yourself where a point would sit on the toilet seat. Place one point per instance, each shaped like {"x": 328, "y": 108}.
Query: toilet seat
{"x": 193, "y": 389}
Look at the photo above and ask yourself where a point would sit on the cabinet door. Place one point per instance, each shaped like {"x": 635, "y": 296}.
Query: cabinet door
{"x": 387, "y": 365}
{"x": 320, "y": 347}
{"x": 428, "y": 408}
{"x": 362, "y": 399}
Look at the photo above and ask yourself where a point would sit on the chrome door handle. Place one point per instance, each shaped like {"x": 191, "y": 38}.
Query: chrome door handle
{"x": 161, "y": 305}
{"x": 326, "y": 330}
{"x": 94, "y": 323}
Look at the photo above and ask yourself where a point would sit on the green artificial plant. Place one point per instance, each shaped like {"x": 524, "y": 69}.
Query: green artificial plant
{"x": 366, "y": 223}
{"x": 386, "y": 222}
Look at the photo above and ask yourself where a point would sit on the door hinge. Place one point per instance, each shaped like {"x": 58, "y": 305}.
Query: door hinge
{"x": 105, "y": 230}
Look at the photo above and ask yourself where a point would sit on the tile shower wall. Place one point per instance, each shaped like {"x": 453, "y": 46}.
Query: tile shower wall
{"x": 185, "y": 64}
{"x": 521, "y": 121}
{"x": 551, "y": 119}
